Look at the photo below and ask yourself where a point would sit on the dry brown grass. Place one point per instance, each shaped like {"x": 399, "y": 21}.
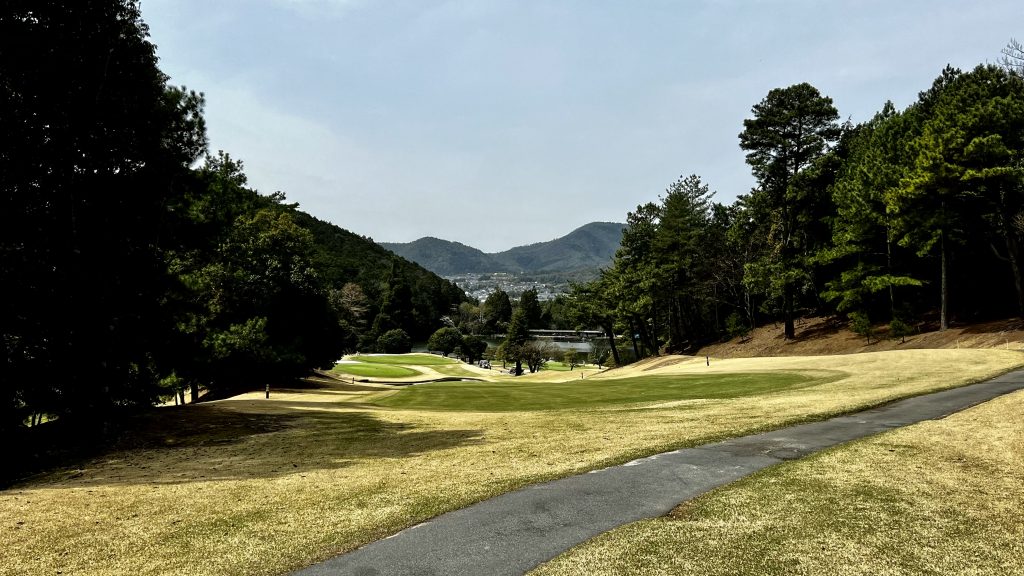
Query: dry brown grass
{"x": 311, "y": 473}
{"x": 940, "y": 497}
{"x": 816, "y": 336}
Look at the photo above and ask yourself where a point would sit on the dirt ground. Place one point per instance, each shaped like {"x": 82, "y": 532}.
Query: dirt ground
{"x": 824, "y": 336}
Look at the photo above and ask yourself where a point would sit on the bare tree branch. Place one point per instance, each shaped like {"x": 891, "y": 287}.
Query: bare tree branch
{"x": 1013, "y": 56}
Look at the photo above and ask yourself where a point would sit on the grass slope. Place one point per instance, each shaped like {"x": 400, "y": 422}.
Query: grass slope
{"x": 375, "y": 370}
{"x": 576, "y": 394}
{"x": 254, "y": 486}
{"x": 939, "y": 497}
{"x": 405, "y": 359}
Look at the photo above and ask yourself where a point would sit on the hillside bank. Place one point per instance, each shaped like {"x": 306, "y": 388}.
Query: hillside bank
{"x": 817, "y": 336}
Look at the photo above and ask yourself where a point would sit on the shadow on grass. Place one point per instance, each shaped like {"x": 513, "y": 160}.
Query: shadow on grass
{"x": 202, "y": 443}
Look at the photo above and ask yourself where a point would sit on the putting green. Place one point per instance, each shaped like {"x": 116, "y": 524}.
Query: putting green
{"x": 404, "y": 359}
{"x": 375, "y": 370}
{"x": 514, "y": 396}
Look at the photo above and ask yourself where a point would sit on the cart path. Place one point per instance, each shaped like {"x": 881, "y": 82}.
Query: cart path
{"x": 513, "y": 533}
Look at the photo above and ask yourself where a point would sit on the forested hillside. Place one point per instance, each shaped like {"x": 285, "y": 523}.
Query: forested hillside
{"x": 590, "y": 246}
{"x": 136, "y": 265}
{"x": 916, "y": 214}
{"x": 417, "y": 296}
{"x": 446, "y": 257}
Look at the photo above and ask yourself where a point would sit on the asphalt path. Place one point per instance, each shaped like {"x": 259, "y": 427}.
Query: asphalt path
{"x": 515, "y": 532}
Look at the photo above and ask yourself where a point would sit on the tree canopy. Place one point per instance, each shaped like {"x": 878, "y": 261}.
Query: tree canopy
{"x": 136, "y": 263}
{"x": 897, "y": 219}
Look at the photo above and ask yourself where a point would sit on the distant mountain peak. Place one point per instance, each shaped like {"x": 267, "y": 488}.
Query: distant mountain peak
{"x": 590, "y": 246}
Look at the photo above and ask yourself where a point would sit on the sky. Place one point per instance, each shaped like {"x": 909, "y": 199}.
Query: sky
{"x": 499, "y": 123}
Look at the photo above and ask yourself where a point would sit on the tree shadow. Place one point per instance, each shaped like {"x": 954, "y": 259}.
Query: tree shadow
{"x": 828, "y": 327}
{"x": 200, "y": 443}
{"x": 995, "y": 326}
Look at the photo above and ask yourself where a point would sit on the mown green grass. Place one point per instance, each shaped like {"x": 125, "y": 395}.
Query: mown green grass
{"x": 563, "y": 367}
{"x": 375, "y": 370}
{"x": 513, "y": 396}
{"x": 405, "y": 359}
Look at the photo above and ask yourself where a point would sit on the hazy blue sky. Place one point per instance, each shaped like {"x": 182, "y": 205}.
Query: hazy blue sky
{"x": 498, "y": 123}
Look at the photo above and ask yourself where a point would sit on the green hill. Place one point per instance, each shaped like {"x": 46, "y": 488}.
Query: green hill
{"x": 446, "y": 257}
{"x": 589, "y": 246}
{"x": 342, "y": 257}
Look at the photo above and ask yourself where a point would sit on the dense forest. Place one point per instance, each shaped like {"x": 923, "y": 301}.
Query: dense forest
{"x": 137, "y": 265}
{"x": 914, "y": 216}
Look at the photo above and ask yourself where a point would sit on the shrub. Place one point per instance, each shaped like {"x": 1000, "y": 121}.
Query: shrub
{"x": 536, "y": 354}
{"x": 861, "y": 324}
{"x": 445, "y": 340}
{"x": 394, "y": 342}
{"x": 474, "y": 347}
{"x": 736, "y": 325}
{"x": 571, "y": 359}
{"x": 899, "y": 329}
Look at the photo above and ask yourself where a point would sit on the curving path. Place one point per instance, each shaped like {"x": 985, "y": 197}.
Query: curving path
{"x": 514, "y": 532}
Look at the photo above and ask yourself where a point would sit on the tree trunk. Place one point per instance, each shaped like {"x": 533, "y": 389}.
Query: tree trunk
{"x": 609, "y": 329}
{"x": 645, "y": 337}
{"x": 944, "y": 306}
{"x": 632, "y": 336}
{"x": 1013, "y": 250}
{"x": 888, "y": 270}
{"x": 718, "y": 325}
{"x": 676, "y": 333}
{"x": 787, "y": 311}
{"x": 748, "y": 300}
{"x": 195, "y": 392}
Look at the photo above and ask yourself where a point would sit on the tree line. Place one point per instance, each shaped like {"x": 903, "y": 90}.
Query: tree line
{"x": 914, "y": 216}
{"x": 136, "y": 265}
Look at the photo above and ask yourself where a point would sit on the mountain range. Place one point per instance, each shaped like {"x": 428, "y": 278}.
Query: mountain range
{"x": 590, "y": 246}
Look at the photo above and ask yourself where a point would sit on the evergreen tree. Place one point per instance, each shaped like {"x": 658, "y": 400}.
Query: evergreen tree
{"x": 966, "y": 176}
{"x": 791, "y": 130}
{"x": 530, "y": 305}
{"x": 516, "y": 339}
{"x": 95, "y": 148}
{"x": 863, "y": 244}
{"x": 683, "y": 267}
{"x": 496, "y": 311}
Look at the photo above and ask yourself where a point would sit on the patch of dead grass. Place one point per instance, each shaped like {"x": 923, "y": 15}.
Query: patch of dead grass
{"x": 825, "y": 335}
{"x": 332, "y": 474}
{"x": 939, "y": 497}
